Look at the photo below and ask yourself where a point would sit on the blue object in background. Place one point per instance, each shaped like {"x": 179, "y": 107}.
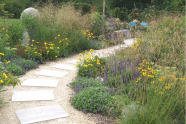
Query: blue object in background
{"x": 145, "y": 24}
{"x": 132, "y": 23}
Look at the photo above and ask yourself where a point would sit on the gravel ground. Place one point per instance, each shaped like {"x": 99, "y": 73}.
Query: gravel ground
{"x": 62, "y": 95}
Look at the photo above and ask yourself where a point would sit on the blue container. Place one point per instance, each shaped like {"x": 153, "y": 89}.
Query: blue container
{"x": 145, "y": 24}
{"x": 132, "y": 23}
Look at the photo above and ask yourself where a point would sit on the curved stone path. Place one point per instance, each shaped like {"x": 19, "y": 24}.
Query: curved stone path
{"x": 47, "y": 99}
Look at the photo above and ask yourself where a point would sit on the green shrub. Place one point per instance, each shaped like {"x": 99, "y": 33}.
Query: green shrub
{"x": 96, "y": 23}
{"x": 96, "y": 100}
{"x": 26, "y": 64}
{"x": 81, "y": 83}
{"x": 15, "y": 33}
{"x": 15, "y": 69}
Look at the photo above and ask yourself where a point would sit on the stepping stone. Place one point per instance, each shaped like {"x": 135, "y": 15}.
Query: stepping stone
{"x": 73, "y": 61}
{"x": 51, "y": 73}
{"x": 40, "y": 83}
{"x": 44, "y": 113}
{"x": 32, "y": 95}
{"x": 65, "y": 67}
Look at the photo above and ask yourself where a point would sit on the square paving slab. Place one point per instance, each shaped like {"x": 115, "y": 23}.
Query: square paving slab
{"x": 73, "y": 61}
{"x": 51, "y": 73}
{"x": 40, "y": 82}
{"x": 65, "y": 67}
{"x": 32, "y": 95}
{"x": 27, "y": 116}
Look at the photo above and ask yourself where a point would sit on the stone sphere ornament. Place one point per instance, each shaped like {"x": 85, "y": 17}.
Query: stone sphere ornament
{"x": 29, "y": 18}
{"x": 30, "y": 11}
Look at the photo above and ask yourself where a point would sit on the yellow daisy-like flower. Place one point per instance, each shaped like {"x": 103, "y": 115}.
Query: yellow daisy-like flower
{"x": 56, "y": 56}
{"x": 85, "y": 65}
{"x": 90, "y": 64}
{"x": 137, "y": 80}
{"x": 58, "y": 35}
{"x": 7, "y": 62}
{"x": 161, "y": 93}
{"x": 66, "y": 38}
{"x": 144, "y": 73}
{"x": 28, "y": 39}
{"x": 32, "y": 40}
{"x": 2, "y": 54}
{"x": 1, "y": 81}
{"x": 5, "y": 75}
{"x": 67, "y": 44}
{"x": 51, "y": 47}
{"x": 58, "y": 48}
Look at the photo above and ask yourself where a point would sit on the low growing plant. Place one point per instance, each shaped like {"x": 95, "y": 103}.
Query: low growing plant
{"x": 96, "y": 100}
{"x": 82, "y": 83}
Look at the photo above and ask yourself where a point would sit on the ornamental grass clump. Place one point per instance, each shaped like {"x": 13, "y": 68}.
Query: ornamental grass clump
{"x": 164, "y": 43}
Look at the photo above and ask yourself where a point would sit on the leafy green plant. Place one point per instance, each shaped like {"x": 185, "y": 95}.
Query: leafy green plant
{"x": 81, "y": 83}
{"x": 15, "y": 69}
{"x": 96, "y": 100}
{"x": 15, "y": 33}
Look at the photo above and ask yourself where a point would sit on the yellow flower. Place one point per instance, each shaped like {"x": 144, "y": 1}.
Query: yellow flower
{"x": 66, "y": 39}
{"x": 7, "y": 62}
{"x": 80, "y": 54}
{"x": 167, "y": 87}
{"x": 144, "y": 60}
{"x": 56, "y": 56}
{"x": 58, "y": 48}
{"x": 1, "y": 81}
{"x": 84, "y": 33}
{"x": 144, "y": 73}
{"x": 90, "y": 64}
{"x": 137, "y": 80}
{"x": 153, "y": 82}
{"x": 31, "y": 44}
{"x": 161, "y": 93}
{"x": 87, "y": 38}
{"x": 182, "y": 79}
{"x": 32, "y": 40}
{"x": 28, "y": 39}
{"x": 161, "y": 80}
{"x": 140, "y": 68}
{"x": 46, "y": 47}
{"x": 86, "y": 51}
{"x": 67, "y": 44}
{"x": 37, "y": 42}
{"x": 140, "y": 64}
{"x": 2, "y": 54}
{"x": 144, "y": 70}
{"x": 91, "y": 50}
{"x": 2, "y": 28}
{"x": 4, "y": 75}
{"x": 51, "y": 47}
{"x": 35, "y": 52}
{"x": 58, "y": 35}
{"x": 48, "y": 52}
{"x": 85, "y": 65}
{"x": 147, "y": 63}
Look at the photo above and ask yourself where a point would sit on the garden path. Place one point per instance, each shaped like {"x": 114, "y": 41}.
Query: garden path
{"x": 59, "y": 94}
